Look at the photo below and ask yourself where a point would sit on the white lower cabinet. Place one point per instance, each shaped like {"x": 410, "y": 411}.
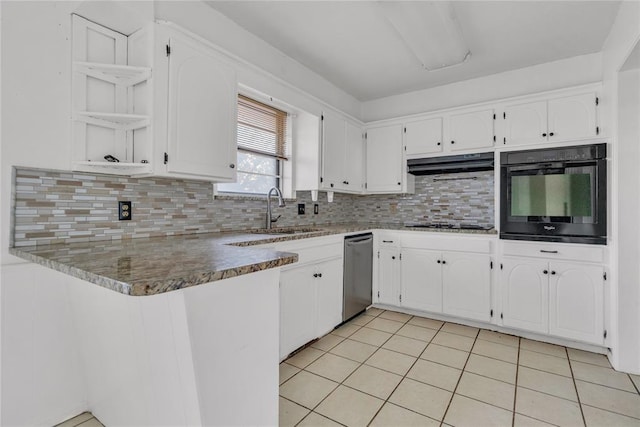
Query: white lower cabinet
{"x": 421, "y": 280}
{"x": 436, "y": 281}
{"x": 297, "y": 308}
{"x": 466, "y": 285}
{"x": 329, "y": 295}
{"x": 563, "y": 299}
{"x": 310, "y": 294}
{"x": 388, "y": 276}
{"x": 576, "y": 301}
{"x": 524, "y": 294}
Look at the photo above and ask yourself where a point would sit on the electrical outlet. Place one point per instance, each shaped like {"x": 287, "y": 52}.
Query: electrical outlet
{"x": 300, "y": 208}
{"x": 124, "y": 211}
{"x": 315, "y": 209}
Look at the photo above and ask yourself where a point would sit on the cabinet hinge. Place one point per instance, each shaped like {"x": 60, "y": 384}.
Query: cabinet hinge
{"x": 604, "y": 275}
{"x": 168, "y": 50}
{"x": 494, "y": 138}
{"x": 504, "y": 115}
{"x": 491, "y": 264}
{"x": 597, "y": 100}
{"x": 166, "y": 158}
{"x": 491, "y": 313}
{"x": 605, "y": 334}
{"x": 597, "y": 130}
{"x": 494, "y": 117}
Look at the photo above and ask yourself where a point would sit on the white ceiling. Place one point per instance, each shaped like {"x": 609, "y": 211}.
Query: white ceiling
{"x": 352, "y": 44}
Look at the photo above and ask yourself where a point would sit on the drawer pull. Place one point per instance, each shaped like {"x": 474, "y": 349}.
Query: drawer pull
{"x": 548, "y": 252}
{"x": 387, "y": 241}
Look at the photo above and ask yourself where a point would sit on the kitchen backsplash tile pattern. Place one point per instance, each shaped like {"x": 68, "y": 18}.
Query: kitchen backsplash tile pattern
{"x": 59, "y": 207}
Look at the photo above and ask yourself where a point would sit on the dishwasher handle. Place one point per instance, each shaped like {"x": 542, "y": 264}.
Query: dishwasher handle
{"x": 359, "y": 239}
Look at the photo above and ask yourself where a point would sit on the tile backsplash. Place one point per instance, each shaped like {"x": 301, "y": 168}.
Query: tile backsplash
{"x": 59, "y": 207}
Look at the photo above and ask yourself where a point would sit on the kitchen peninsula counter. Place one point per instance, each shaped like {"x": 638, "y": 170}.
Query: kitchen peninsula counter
{"x": 149, "y": 266}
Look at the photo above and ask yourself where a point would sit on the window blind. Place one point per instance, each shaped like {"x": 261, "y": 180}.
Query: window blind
{"x": 262, "y": 129}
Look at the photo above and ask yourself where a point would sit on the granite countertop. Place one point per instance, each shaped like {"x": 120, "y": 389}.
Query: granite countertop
{"x": 155, "y": 265}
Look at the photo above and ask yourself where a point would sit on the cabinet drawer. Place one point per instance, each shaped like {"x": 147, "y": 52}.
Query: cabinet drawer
{"x": 422, "y": 240}
{"x": 554, "y": 251}
{"x": 311, "y": 253}
{"x": 387, "y": 239}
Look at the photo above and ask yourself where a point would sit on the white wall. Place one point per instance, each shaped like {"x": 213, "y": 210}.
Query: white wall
{"x": 625, "y": 303}
{"x": 40, "y": 373}
{"x": 538, "y": 78}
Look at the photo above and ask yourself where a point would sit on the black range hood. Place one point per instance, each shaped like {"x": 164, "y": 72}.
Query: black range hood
{"x": 451, "y": 164}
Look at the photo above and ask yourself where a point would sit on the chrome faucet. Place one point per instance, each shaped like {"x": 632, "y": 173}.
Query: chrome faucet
{"x": 270, "y": 220}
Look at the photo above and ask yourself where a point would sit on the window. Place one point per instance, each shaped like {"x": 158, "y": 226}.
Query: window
{"x": 262, "y": 147}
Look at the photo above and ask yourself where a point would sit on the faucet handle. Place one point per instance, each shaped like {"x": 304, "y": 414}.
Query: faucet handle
{"x": 276, "y": 218}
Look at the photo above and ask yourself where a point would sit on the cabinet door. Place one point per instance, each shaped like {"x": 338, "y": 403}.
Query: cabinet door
{"x": 329, "y": 295}
{"x": 388, "y": 273}
{"x": 572, "y": 117}
{"x": 421, "y": 278}
{"x": 297, "y": 309}
{"x": 525, "y": 123}
{"x": 423, "y": 137}
{"x": 466, "y": 285}
{"x": 354, "y": 160}
{"x": 525, "y": 294}
{"x": 576, "y": 303}
{"x": 384, "y": 159}
{"x": 470, "y": 131}
{"x": 333, "y": 151}
{"x": 202, "y": 112}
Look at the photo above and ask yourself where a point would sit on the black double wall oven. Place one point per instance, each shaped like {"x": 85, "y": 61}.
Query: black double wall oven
{"x": 556, "y": 194}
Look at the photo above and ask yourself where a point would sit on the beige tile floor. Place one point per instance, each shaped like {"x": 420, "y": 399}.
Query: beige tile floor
{"x": 86, "y": 419}
{"x": 391, "y": 369}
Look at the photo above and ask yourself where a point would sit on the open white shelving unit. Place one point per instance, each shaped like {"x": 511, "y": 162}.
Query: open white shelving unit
{"x": 111, "y": 103}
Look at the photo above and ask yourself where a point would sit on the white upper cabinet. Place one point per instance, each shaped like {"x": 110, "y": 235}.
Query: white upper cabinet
{"x": 110, "y": 103}
{"x": 202, "y": 111}
{"x": 471, "y": 130}
{"x": 573, "y": 117}
{"x": 354, "y": 158}
{"x": 525, "y": 123}
{"x": 342, "y": 155}
{"x": 423, "y": 137}
{"x": 384, "y": 159}
{"x": 553, "y": 120}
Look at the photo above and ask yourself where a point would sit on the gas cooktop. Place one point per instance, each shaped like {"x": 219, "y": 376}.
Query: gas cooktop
{"x": 451, "y": 226}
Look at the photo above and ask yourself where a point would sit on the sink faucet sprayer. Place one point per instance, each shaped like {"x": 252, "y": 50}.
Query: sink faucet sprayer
{"x": 280, "y": 204}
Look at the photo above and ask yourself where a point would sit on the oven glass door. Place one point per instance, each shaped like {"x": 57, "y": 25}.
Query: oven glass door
{"x": 554, "y": 193}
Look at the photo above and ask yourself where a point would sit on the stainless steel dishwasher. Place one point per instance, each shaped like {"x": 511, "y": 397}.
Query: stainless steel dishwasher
{"x": 358, "y": 274}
